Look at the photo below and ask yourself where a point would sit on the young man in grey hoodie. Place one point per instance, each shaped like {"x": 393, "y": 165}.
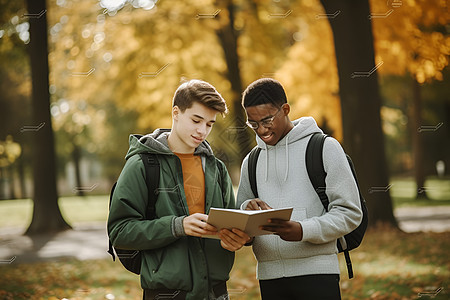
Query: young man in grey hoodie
{"x": 298, "y": 261}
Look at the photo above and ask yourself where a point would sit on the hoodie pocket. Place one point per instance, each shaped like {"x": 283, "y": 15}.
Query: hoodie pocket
{"x": 298, "y": 214}
{"x": 301, "y": 249}
{"x": 272, "y": 247}
{"x": 290, "y": 249}
{"x": 265, "y": 248}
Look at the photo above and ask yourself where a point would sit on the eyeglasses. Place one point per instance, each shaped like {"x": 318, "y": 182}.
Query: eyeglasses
{"x": 267, "y": 122}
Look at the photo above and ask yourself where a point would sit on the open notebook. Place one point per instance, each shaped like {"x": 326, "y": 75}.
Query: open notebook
{"x": 248, "y": 221}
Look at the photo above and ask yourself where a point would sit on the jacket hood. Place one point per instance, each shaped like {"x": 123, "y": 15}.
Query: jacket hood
{"x": 156, "y": 142}
{"x": 303, "y": 127}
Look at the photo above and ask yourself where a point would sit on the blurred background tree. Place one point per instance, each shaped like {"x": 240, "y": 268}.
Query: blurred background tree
{"x": 47, "y": 216}
{"x": 360, "y": 101}
{"x": 114, "y": 66}
{"x": 414, "y": 44}
{"x": 15, "y": 87}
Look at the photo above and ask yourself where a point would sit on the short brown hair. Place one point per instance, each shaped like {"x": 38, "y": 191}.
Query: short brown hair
{"x": 199, "y": 91}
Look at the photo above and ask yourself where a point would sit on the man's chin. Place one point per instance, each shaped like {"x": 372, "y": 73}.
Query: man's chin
{"x": 269, "y": 140}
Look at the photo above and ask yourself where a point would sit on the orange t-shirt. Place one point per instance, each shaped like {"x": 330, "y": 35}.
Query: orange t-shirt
{"x": 194, "y": 182}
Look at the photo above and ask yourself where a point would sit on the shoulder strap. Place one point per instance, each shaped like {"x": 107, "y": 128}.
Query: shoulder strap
{"x": 317, "y": 174}
{"x": 151, "y": 165}
{"x": 314, "y": 166}
{"x": 252, "y": 160}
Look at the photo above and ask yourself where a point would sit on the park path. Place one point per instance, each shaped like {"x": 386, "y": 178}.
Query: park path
{"x": 429, "y": 218}
{"x": 86, "y": 241}
{"x": 89, "y": 241}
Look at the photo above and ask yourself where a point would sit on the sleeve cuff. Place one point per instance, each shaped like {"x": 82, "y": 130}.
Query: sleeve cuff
{"x": 177, "y": 227}
{"x": 309, "y": 230}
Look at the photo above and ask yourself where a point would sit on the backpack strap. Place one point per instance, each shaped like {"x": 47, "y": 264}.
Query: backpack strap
{"x": 252, "y": 159}
{"x": 348, "y": 262}
{"x": 317, "y": 174}
{"x": 152, "y": 166}
{"x": 314, "y": 166}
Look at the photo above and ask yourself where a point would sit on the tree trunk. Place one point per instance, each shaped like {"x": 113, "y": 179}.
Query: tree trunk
{"x": 2, "y": 184}
{"x": 228, "y": 39}
{"x": 11, "y": 181}
{"x": 76, "y": 156}
{"x": 21, "y": 172}
{"x": 46, "y": 213}
{"x": 360, "y": 103}
{"x": 417, "y": 139}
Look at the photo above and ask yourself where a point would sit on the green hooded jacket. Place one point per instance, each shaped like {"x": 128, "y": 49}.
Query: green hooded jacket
{"x": 171, "y": 259}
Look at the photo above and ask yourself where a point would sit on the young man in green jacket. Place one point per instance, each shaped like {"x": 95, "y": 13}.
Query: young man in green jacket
{"x": 176, "y": 260}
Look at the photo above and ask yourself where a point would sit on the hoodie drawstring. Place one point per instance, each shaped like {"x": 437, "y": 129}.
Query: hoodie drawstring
{"x": 267, "y": 164}
{"x": 286, "y": 142}
{"x": 287, "y": 158}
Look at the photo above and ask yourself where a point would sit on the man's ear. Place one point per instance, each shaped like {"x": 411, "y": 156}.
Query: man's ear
{"x": 286, "y": 108}
{"x": 175, "y": 112}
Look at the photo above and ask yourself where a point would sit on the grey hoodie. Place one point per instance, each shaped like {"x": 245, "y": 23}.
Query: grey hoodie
{"x": 283, "y": 181}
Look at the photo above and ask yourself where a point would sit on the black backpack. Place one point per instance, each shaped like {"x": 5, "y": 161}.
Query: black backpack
{"x": 131, "y": 259}
{"x": 316, "y": 173}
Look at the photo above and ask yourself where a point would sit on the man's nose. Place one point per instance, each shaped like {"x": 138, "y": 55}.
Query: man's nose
{"x": 201, "y": 129}
{"x": 261, "y": 130}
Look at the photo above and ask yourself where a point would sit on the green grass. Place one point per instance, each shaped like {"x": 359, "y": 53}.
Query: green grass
{"x": 18, "y": 213}
{"x": 404, "y": 190}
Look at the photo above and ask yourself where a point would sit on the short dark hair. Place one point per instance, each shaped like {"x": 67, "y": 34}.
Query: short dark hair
{"x": 263, "y": 91}
{"x": 199, "y": 91}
